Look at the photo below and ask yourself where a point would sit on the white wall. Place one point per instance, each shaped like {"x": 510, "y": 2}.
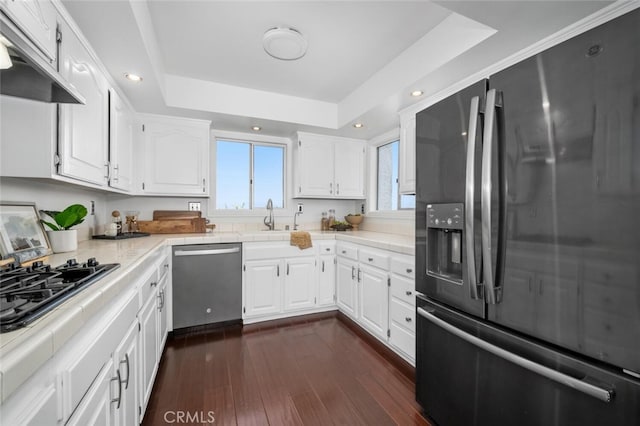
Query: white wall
{"x": 51, "y": 195}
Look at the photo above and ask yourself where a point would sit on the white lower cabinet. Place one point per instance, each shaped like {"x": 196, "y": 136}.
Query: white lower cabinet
{"x": 327, "y": 280}
{"x": 300, "y": 283}
{"x": 126, "y": 371}
{"x": 374, "y": 300}
{"x": 149, "y": 331}
{"x": 347, "y": 286}
{"x": 96, "y": 407}
{"x": 376, "y": 289}
{"x": 280, "y": 280}
{"x": 262, "y": 293}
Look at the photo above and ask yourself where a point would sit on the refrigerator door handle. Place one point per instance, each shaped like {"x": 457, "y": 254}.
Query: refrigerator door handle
{"x": 604, "y": 395}
{"x": 491, "y": 292}
{"x": 469, "y": 226}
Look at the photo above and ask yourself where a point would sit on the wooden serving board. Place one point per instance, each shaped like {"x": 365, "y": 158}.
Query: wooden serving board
{"x": 173, "y": 226}
{"x": 175, "y": 214}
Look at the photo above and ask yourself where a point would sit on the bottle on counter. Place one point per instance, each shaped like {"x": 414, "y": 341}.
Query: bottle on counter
{"x": 324, "y": 222}
{"x": 332, "y": 217}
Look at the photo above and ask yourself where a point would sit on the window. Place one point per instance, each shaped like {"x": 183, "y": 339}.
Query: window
{"x": 248, "y": 174}
{"x": 389, "y": 197}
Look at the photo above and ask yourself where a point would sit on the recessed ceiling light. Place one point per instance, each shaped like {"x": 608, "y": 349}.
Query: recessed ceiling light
{"x": 358, "y": 125}
{"x": 464, "y": 133}
{"x": 256, "y": 128}
{"x": 133, "y": 77}
{"x": 284, "y": 43}
{"x": 417, "y": 93}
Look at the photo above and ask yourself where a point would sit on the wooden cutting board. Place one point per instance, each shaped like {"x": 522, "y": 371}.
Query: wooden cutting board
{"x": 175, "y": 214}
{"x": 173, "y": 226}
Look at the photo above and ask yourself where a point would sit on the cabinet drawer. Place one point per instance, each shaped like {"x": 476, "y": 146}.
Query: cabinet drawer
{"x": 403, "y": 266}
{"x": 347, "y": 250}
{"x": 163, "y": 265}
{"x": 327, "y": 247}
{"x": 374, "y": 258}
{"x": 403, "y": 315}
{"x": 402, "y": 339}
{"x": 403, "y": 289}
{"x": 148, "y": 286}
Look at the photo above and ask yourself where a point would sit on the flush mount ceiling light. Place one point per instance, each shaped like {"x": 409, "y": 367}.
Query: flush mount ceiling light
{"x": 417, "y": 93}
{"x": 133, "y": 77}
{"x": 284, "y": 43}
{"x": 358, "y": 125}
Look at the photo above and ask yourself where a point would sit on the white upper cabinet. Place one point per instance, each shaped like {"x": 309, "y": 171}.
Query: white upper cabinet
{"x": 120, "y": 143}
{"x": 37, "y": 19}
{"x": 407, "y": 169}
{"x": 329, "y": 167}
{"x": 84, "y": 129}
{"x": 175, "y": 155}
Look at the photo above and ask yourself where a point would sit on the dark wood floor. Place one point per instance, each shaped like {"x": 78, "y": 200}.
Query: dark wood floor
{"x": 314, "y": 371}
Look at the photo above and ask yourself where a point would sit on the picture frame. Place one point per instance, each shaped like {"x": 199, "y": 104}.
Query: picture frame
{"x": 22, "y": 236}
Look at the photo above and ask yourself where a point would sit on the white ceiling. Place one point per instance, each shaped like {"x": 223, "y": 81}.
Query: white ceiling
{"x": 204, "y": 59}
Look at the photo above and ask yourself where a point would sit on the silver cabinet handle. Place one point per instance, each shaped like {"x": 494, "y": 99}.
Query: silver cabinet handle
{"x": 287, "y": 269}
{"x": 337, "y": 188}
{"x": 370, "y": 259}
{"x": 469, "y": 225}
{"x": 323, "y": 266}
{"x": 330, "y": 187}
{"x": 107, "y": 169}
{"x": 407, "y": 319}
{"x": 408, "y": 293}
{"x": 579, "y": 385}
{"x": 359, "y": 271}
{"x": 409, "y": 270}
{"x": 119, "y": 398}
{"x": 179, "y": 253}
{"x": 126, "y": 361}
{"x": 153, "y": 283}
{"x": 353, "y": 272}
{"x": 278, "y": 270}
{"x": 343, "y": 252}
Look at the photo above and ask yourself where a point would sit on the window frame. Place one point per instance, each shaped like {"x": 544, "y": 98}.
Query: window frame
{"x": 253, "y": 140}
{"x": 372, "y": 209}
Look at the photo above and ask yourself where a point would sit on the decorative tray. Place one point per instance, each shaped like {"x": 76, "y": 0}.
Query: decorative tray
{"x": 122, "y": 236}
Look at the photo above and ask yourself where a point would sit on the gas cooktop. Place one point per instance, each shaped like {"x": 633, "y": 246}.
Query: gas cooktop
{"x": 27, "y": 293}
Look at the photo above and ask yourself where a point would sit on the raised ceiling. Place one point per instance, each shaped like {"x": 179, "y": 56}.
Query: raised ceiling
{"x": 205, "y": 59}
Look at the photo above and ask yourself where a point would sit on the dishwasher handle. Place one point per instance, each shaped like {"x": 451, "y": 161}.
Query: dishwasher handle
{"x": 178, "y": 253}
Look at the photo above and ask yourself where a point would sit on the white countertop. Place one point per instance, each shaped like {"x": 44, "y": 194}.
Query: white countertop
{"x": 25, "y": 350}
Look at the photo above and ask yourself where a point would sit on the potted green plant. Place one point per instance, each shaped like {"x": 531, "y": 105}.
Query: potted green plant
{"x": 61, "y": 237}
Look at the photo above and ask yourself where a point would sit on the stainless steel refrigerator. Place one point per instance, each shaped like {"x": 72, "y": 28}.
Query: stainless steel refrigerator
{"x": 528, "y": 240}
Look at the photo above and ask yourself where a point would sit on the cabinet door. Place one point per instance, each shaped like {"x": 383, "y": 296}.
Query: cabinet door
{"x": 163, "y": 313}
{"x": 327, "y": 281}
{"x": 125, "y": 358}
{"x": 120, "y": 143}
{"x": 148, "y": 318}
{"x": 315, "y": 168}
{"x": 346, "y": 285}
{"x": 407, "y": 170}
{"x": 83, "y": 128}
{"x": 37, "y": 18}
{"x": 374, "y": 300}
{"x": 349, "y": 169}
{"x": 176, "y": 158}
{"x": 262, "y": 280}
{"x": 299, "y": 283}
{"x": 96, "y": 407}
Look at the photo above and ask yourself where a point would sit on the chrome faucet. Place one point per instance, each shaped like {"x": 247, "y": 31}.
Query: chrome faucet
{"x": 271, "y": 223}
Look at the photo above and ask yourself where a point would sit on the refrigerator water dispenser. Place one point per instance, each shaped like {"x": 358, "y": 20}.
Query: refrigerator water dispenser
{"x": 444, "y": 241}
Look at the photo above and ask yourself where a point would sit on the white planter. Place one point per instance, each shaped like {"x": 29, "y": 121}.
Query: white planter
{"x": 63, "y": 241}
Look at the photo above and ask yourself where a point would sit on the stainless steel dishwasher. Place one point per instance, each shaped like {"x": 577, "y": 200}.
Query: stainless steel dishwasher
{"x": 207, "y": 284}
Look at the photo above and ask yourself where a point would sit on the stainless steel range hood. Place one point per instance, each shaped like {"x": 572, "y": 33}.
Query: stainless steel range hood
{"x": 31, "y": 77}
